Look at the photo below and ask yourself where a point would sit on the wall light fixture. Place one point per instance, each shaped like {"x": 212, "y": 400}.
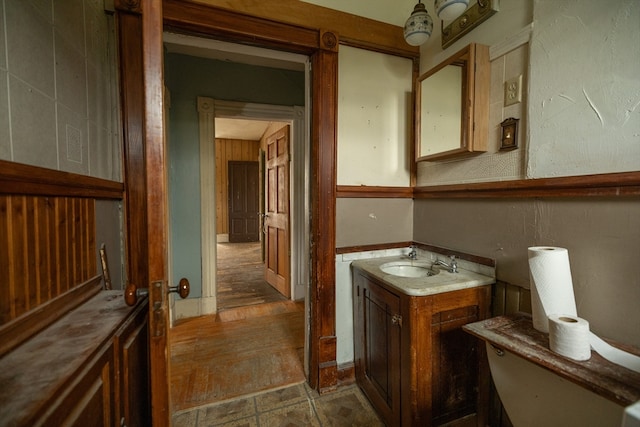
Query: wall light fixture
{"x": 457, "y": 13}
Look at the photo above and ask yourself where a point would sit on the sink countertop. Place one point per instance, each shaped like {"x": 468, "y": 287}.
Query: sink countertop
{"x": 421, "y": 286}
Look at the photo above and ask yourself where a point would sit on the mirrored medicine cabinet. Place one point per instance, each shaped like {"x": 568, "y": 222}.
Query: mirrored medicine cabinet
{"x": 452, "y": 108}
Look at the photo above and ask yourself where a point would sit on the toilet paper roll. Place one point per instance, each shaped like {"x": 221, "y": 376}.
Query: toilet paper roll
{"x": 569, "y": 336}
{"x": 551, "y": 284}
{"x": 552, "y": 292}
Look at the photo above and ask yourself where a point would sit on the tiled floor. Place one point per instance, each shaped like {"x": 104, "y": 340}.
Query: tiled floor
{"x": 291, "y": 406}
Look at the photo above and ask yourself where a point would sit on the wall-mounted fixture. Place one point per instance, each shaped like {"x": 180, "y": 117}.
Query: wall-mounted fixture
{"x": 419, "y": 26}
{"x": 509, "y": 138}
{"x": 452, "y": 106}
{"x": 471, "y": 18}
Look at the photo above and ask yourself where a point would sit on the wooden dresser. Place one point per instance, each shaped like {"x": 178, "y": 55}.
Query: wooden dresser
{"x": 88, "y": 368}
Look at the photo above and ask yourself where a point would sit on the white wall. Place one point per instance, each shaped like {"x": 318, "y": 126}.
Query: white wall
{"x": 507, "y": 34}
{"x": 581, "y": 91}
{"x": 584, "y": 97}
{"x": 374, "y": 118}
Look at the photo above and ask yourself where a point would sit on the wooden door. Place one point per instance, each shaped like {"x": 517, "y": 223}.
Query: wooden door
{"x": 244, "y": 201}
{"x": 157, "y": 211}
{"x": 276, "y": 219}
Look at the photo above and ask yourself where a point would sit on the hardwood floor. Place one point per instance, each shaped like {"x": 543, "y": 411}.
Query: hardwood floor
{"x": 214, "y": 360}
{"x": 240, "y": 276}
{"x": 254, "y": 343}
{"x": 244, "y": 366}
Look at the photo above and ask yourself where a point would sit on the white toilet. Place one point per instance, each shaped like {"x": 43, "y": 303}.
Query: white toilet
{"x": 533, "y": 396}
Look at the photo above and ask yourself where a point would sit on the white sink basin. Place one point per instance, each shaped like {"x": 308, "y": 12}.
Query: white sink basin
{"x": 408, "y": 269}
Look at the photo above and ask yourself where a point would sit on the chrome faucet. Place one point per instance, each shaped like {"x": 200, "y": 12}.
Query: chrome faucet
{"x": 452, "y": 266}
{"x": 413, "y": 254}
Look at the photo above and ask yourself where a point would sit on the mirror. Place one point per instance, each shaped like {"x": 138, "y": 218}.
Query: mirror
{"x": 453, "y": 106}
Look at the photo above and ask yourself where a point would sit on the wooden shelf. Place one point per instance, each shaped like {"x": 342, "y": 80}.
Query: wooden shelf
{"x": 516, "y": 334}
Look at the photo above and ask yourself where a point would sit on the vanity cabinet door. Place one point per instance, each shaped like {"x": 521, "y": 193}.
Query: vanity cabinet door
{"x": 454, "y": 365}
{"x": 378, "y": 347}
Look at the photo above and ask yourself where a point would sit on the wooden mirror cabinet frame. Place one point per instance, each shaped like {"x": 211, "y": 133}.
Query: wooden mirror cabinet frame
{"x": 476, "y": 87}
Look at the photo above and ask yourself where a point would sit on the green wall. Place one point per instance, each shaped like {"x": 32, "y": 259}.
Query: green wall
{"x": 187, "y": 78}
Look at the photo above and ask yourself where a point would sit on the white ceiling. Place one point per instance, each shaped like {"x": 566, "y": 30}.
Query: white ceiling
{"x": 251, "y": 130}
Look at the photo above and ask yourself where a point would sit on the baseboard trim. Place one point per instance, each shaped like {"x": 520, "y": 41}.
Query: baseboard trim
{"x": 346, "y": 374}
{"x": 193, "y": 307}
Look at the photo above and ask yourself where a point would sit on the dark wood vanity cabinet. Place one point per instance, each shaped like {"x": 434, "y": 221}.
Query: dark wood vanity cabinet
{"x": 412, "y": 359}
{"x": 377, "y": 347}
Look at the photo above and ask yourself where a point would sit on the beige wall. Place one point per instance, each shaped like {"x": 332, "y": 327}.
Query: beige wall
{"x": 601, "y": 234}
{"x": 373, "y": 221}
{"x": 576, "y": 121}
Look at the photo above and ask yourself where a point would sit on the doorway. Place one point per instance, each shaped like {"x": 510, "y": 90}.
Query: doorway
{"x": 208, "y": 304}
{"x": 242, "y": 238}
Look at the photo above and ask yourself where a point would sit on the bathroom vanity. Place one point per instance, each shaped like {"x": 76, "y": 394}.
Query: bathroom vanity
{"x": 412, "y": 359}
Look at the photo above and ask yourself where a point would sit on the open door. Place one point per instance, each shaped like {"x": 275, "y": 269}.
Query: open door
{"x": 276, "y": 217}
{"x": 157, "y": 211}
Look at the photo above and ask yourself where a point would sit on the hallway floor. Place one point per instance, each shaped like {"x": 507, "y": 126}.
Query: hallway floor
{"x": 245, "y": 368}
{"x": 245, "y": 365}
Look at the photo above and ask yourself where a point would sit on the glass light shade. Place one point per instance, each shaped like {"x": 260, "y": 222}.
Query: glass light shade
{"x": 448, "y": 10}
{"x": 419, "y": 26}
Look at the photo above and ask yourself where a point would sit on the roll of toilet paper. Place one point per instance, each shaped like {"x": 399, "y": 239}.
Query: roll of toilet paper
{"x": 552, "y": 292}
{"x": 569, "y": 336}
{"x": 551, "y": 284}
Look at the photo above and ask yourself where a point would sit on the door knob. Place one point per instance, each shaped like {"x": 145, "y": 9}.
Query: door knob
{"x": 132, "y": 293}
{"x": 182, "y": 288}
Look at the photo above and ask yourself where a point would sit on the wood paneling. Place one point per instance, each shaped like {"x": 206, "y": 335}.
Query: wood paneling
{"x": 17, "y": 178}
{"x": 227, "y": 150}
{"x": 132, "y": 103}
{"x": 323, "y": 220}
{"x": 354, "y": 30}
{"x": 370, "y": 192}
{"x": 611, "y": 184}
{"x": 48, "y": 248}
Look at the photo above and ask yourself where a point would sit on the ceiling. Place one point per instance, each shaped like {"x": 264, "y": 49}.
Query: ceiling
{"x": 251, "y": 130}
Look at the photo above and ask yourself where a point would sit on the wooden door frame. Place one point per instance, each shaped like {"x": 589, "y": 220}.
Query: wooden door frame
{"x": 208, "y": 110}
{"x": 322, "y": 48}
{"x": 143, "y": 59}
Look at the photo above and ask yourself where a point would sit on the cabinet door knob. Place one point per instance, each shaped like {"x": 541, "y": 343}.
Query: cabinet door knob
{"x": 396, "y": 319}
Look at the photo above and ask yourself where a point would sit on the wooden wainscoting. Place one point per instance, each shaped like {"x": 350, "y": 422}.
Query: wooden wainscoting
{"x": 506, "y": 299}
{"x": 48, "y": 248}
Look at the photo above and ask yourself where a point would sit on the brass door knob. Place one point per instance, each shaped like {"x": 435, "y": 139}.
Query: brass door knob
{"x": 182, "y": 288}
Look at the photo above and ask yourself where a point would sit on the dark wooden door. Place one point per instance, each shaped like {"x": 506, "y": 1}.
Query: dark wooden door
{"x": 244, "y": 200}
{"x": 377, "y": 349}
{"x": 276, "y": 219}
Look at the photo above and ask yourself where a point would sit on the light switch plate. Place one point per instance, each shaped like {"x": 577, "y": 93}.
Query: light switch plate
{"x": 513, "y": 91}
